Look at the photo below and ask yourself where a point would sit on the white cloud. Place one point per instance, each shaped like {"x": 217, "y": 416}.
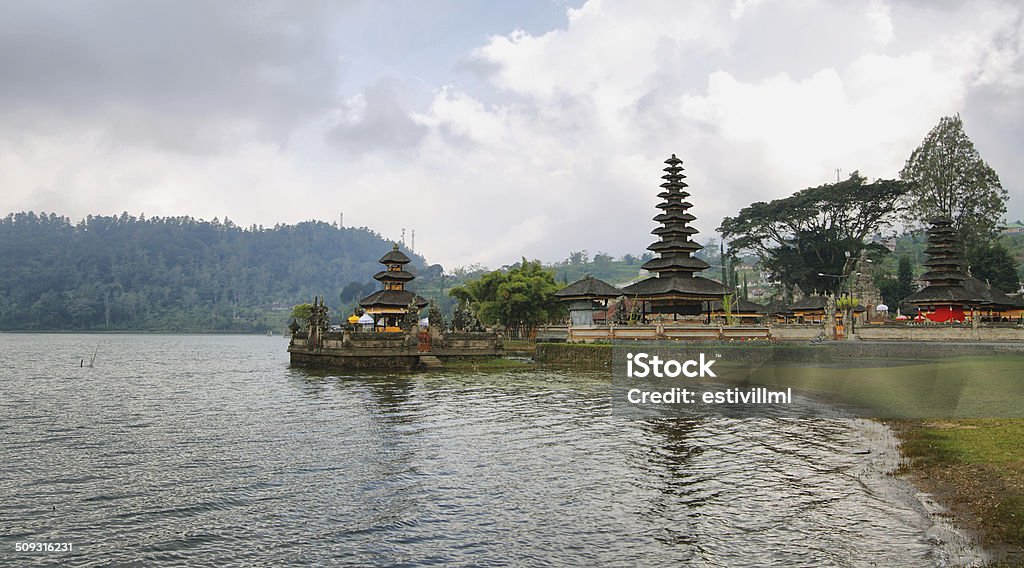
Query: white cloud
{"x": 559, "y": 146}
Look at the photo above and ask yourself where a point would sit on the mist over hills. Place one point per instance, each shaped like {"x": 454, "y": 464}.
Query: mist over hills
{"x": 108, "y": 273}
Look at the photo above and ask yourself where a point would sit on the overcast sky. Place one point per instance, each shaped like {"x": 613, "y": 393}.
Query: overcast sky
{"x": 495, "y": 130}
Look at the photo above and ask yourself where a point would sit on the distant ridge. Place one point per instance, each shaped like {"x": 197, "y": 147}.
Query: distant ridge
{"x": 110, "y": 273}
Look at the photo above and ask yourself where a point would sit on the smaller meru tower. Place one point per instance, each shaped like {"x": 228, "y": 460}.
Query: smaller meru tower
{"x": 676, "y": 289}
{"x": 389, "y": 306}
{"x": 945, "y": 296}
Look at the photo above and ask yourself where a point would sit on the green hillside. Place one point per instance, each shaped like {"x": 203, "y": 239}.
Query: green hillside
{"x": 174, "y": 274}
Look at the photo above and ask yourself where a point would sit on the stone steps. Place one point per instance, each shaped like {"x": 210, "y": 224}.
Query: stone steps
{"x": 430, "y": 362}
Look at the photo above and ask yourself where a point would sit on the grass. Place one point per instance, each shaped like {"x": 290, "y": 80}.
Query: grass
{"x": 977, "y": 467}
{"x": 490, "y": 363}
{"x": 962, "y": 388}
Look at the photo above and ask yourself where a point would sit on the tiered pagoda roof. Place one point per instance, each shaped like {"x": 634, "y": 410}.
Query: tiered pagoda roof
{"x": 946, "y": 273}
{"x": 676, "y": 268}
{"x": 394, "y": 277}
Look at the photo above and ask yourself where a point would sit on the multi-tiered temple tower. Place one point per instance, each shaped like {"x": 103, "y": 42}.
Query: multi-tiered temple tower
{"x": 945, "y": 297}
{"x": 676, "y": 289}
{"x": 389, "y": 306}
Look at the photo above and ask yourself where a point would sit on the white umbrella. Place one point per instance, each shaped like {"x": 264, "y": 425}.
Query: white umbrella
{"x": 881, "y": 308}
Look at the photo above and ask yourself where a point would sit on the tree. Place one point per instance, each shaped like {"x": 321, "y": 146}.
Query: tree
{"x": 434, "y": 316}
{"x": 302, "y": 313}
{"x": 893, "y": 290}
{"x": 948, "y": 178}
{"x": 812, "y": 238}
{"x": 904, "y": 278}
{"x": 353, "y": 291}
{"x": 520, "y": 299}
{"x": 462, "y": 318}
{"x": 994, "y": 264}
{"x": 579, "y": 257}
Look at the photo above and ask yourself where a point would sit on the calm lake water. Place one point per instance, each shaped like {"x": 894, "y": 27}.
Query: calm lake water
{"x": 210, "y": 450}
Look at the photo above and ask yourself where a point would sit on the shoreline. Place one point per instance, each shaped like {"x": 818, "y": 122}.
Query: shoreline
{"x": 969, "y": 472}
{"x": 974, "y": 469}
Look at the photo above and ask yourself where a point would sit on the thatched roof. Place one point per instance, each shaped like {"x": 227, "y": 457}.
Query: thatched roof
{"x": 392, "y": 299}
{"x": 394, "y": 276}
{"x": 740, "y": 306}
{"x": 702, "y": 288}
{"x": 778, "y": 307}
{"x": 394, "y": 256}
{"x": 588, "y": 288}
{"x": 674, "y": 265}
{"x": 957, "y": 295}
{"x": 810, "y": 303}
{"x": 992, "y": 297}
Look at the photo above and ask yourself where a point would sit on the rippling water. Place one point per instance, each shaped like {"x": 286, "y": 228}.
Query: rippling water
{"x": 209, "y": 450}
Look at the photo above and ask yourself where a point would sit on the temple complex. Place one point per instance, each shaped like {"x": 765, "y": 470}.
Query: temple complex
{"x": 389, "y": 307}
{"x": 676, "y": 289}
{"x": 945, "y": 297}
{"x": 389, "y": 334}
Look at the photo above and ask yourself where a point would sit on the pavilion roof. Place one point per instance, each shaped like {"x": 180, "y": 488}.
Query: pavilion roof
{"x": 588, "y": 287}
{"x": 813, "y": 302}
{"x": 392, "y": 299}
{"x": 776, "y": 307}
{"x": 992, "y": 296}
{"x": 677, "y": 284}
{"x": 740, "y": 306}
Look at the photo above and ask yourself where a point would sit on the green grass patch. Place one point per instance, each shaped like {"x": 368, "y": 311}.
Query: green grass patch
{"x": 492, "y": 363}
{"x": 966, "y": 387}
{"x": 981, "y": 463}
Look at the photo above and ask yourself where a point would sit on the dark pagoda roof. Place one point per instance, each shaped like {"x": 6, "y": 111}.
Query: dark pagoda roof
{"x": 945, "y": 275}
{"x": 938, "y": 295}
{"x": 392, "y": 299}
{"x": 588, "y": 288}
{"x": 740, "y": 306}
{"x": 692, "y": 286}
{"x": 394, "y": 256}
{"x": 676, "y": 269}
{"x": 665, "y": 264}
{"x": 393, "y": 276}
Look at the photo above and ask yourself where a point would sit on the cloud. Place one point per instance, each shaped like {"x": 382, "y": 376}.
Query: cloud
{"x": 377, "y": 120}
{"x": 536, "y": 143}
{"x": 181, "y": 75}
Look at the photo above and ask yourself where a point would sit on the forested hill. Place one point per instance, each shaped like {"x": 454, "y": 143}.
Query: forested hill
{"x": 174, "y": 274}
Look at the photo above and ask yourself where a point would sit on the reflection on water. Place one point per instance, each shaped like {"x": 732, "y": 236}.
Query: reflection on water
{"x": 209, "y": 450}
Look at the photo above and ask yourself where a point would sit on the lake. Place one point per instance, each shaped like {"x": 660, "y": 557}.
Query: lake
{"x": 210, "y": 450}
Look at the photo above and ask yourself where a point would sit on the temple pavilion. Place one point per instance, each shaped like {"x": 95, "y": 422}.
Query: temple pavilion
{"x": 586, "y": 296}
{"x": 945, "y": 296}
{"x": 388, "y": 307}
{"x": 676, "y": 289}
